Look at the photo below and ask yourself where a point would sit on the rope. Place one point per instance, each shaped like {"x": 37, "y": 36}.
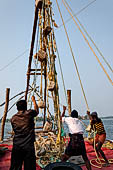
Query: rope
{"x": 47, "y": 98}
{"x": 59, "y": 63}
{"x": 36, "y": 61}
{"x": 1, "y": 69}
{"x": 98, "y": 160}
{"x": 83, "y": 123}
{"x": 87, "y": 40}
{"x": 96, "y": 153}
{"x": 61, "y": 73}
{"x": 13, "y": 97}
{"x": 52, "y": 150}
{"x": 41, "y": 79}
{"x": 73, "y": 57}
{"x": 77, "y": 13}
{"x": 93, "y": 43}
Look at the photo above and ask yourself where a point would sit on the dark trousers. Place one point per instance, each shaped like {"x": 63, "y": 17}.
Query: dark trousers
{"x": 24, "y": 155}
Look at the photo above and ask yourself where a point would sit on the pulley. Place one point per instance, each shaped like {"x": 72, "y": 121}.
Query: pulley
{"x": 51, "y": 76}
{"x": 41, "y": 55}
{"x": 47, "y": 30}
{"x": 51, "y": 85}
{"x": 41, "y": 104}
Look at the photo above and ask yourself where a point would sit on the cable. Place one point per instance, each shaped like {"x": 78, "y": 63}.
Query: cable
{"x": 13, "y": 60}
{"x": 87, "y": 41}
{"x": 61, "y": 72}
{"x": 92, "y": 40}
{"x": 77, "y": 13}
{"x": 95, "y": 45}
{"x": 73, "y": 57}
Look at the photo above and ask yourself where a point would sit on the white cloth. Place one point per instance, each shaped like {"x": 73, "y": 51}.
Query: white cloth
{"x": 74, "y": 125}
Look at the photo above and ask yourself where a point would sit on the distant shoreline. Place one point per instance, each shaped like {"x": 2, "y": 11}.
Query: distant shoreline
{"x": 41, "y": 119}
{"x": 107, "y": 117}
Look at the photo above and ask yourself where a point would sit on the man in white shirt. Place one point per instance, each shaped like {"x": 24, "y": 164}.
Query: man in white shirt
{"x": 76, "y": 144}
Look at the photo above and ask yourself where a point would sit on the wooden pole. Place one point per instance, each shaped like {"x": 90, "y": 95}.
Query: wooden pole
{"x": 31, "y": 50}
{"x": 69, "y": 101}
{"x": 5, "y": 114}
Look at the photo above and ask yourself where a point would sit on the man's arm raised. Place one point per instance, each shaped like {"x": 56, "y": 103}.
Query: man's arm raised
{"x": 35, "y": 104}
{"x": 63, "y": 113}
{"x": 88, "y": 113}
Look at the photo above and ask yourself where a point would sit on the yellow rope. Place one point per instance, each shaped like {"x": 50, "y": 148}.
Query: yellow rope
{"x": 91, "y": 39}
{"x": 61, "y": 73}
{"x": 96, "y": 153}
{"x": 95, "y": 45}
{"x": 87, "y": 40}
{"x": 47, "y": 95}
{"x": 73, "y": 56}
{"x": 54, "y": 40}
{"x": 41, "y": 80}
{"x": 77, "y": 13}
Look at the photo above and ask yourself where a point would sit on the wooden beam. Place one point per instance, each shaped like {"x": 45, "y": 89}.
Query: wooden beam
{"x": 31, "y": 50}
{"x": 5, "y": 114}
{"x": 69, "y": 101}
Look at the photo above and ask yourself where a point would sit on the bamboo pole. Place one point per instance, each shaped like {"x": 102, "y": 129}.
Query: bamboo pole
{"x": 5, "y": 114}
{"x": 69, "y": 101}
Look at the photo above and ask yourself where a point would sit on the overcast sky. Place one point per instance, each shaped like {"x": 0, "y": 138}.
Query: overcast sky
{"x": 16, "y": 22}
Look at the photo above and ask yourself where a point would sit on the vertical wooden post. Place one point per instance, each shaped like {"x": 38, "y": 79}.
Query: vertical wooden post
{"x": 5, "y": 114}
{"x": 69, "y": 101}
{"x": 31, "y": 50}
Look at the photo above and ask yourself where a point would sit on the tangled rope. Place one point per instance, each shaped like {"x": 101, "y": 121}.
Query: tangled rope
{"x": 98, "y": 160}
{"x": 47, "y": 149}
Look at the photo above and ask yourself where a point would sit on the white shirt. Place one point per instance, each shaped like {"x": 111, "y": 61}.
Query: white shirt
{"x": 74, "y": 125}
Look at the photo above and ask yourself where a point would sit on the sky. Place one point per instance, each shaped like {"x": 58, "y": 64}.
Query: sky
{"x": 16, "y": 25}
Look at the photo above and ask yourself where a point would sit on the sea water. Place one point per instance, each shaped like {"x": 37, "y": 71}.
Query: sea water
{"x": 108, "y": 124}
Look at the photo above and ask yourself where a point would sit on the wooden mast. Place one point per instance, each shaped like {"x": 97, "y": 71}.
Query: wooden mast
{"x": 38, "y": 6}
{"x": 31, "y": 50}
